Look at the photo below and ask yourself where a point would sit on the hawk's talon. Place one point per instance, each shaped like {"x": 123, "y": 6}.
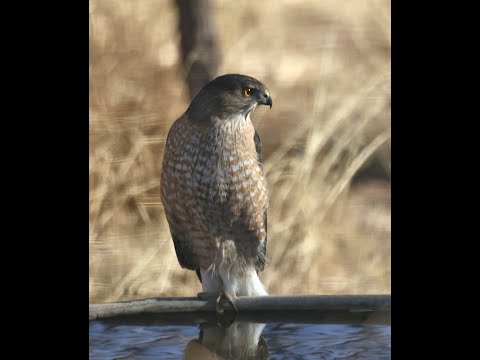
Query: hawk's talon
{"x": 231, "y": 302}
{"x": 218, "y": 304}
{"x": 228, "y": 298}
{"x": 224, "y": 320}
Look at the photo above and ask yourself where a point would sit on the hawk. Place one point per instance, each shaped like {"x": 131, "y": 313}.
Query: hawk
{"x": 214, "y": 191}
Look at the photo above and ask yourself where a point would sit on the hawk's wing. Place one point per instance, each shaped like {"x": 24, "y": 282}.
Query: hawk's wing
{"x": 261, "y": 262}
{"x": 183, "y": 249}
{"x": 185, "y": 254}
{"x": 183, "y": 244}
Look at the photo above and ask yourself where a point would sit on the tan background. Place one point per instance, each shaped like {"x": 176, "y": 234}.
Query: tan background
{"x": 327, "y": 66}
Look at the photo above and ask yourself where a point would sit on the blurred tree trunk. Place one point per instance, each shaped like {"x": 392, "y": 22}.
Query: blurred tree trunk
{"x": 199, "y": 43}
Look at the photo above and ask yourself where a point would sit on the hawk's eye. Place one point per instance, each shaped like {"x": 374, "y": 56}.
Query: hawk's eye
{"x": 248, "y": 91}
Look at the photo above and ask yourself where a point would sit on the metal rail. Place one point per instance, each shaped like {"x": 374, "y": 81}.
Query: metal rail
{"x": 276, "y": 306}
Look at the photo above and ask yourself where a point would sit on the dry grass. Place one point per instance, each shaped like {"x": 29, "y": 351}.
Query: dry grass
{"x": 327, "y": 66}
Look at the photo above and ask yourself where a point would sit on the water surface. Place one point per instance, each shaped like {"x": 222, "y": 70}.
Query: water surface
{"x": 239, "y": 340}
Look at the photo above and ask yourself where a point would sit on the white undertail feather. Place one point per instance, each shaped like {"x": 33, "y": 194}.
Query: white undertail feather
{"x": 210, "y": 282}
{"x": 244, "y": 283}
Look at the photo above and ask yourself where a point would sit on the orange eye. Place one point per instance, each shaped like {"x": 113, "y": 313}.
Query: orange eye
{"x": 247, "y": 91}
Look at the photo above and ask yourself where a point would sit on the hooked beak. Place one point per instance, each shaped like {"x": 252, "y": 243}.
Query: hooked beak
{"x": 266, "y": 99}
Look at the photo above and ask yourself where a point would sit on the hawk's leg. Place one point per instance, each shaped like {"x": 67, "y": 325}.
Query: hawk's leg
{"x": 227, "y": 297}
{"x": 218, "y": 300}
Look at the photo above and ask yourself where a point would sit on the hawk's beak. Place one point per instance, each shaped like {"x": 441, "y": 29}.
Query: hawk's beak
{"x": 266, "y": 99}
{"x": 269, "y": 101}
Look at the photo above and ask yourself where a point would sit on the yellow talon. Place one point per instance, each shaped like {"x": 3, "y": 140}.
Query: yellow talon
{"x": 218, "y": 302}
{"x": 227, "y": 297}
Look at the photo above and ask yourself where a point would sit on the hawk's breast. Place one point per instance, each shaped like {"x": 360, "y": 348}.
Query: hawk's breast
{"x": 213, "y": 187}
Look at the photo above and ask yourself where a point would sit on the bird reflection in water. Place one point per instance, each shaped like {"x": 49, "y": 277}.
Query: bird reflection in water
{"x": 240, "y": 340}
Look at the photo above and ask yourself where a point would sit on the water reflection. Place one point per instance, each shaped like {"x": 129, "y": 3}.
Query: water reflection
{"x": 306, "y": 336}
{"x": 241, "y": 340}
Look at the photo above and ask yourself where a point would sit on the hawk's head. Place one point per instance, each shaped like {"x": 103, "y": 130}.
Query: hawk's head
{"x": 229, "y": 95}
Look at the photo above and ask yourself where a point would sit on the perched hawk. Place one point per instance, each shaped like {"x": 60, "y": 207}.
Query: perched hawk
{"x": 213, "y": 188}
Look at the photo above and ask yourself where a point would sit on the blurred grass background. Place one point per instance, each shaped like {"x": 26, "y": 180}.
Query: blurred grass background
{"x": 326, "y": 141}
